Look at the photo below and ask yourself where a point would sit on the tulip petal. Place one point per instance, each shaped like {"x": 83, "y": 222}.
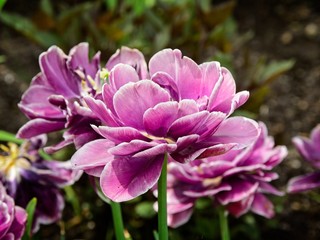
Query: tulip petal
{"x": 304, "y": 183}
{"x": 133, "y": 99}
{"x": 79, "y": 60}
{"x": 122, "y": 74}
{"x": 241, "y": 189}
{"x": 101, "y": 111}
{"x": 202, "y": 123}
{"x": 92, "y": 154}
{"x": 185, "y": 72}
{"x": 177, "y": 219}
{"x": 262, "y": 206}
{"x": 39, "y": 126}
{"x": 132, "y": 57}
{"x": 157, "y": 120}
{"x": 125, "y": 178}
{"x": 53, "y": 66}
{"x": 119, "y": 134}
{"x": 240, "y": 130}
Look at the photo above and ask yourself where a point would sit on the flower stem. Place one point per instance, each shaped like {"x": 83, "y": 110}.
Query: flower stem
{"x": 162, "y": 201}
{"x": 224, "y": 229}
{"x": 117, "y": 220}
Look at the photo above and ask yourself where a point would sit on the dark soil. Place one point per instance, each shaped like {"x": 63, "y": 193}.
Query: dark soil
{"x": 283, "y": 30}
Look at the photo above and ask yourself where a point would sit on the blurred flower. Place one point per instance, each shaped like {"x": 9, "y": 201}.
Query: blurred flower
{"x": 236, "y": 180}
{"x": 181, "y": 110}
{"x": 309, "y": 148}
{"x": 26, "y": 175}
{"x": 54, "y": 99}
{"x": 12, "y": 218}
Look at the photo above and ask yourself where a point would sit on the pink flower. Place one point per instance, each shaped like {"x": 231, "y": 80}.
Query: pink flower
{"x": 12, "y": 218}
{"x": 182, "y": 109}
{"x": 26, "y": 175}
{"x": 54, "y": 102}
{"x": 236, "y": 180}
{"x": 309, "y": 148}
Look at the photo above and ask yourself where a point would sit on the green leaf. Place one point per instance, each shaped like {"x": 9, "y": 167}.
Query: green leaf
{"x": 2, "y": 2}
{"x": 111, "y": 4}
{"x": 2, "y": 59}
{"x": 274, "y": 69}
{"x": 9, "y": 137}
{"x": 72, "y": 198}
{"x": 26, "y": 27}
{"x": 155, "y": 235}
{"x": 47, "y": 7}
{"x": 30, "y": 209}
{"x": 145, "y": 209}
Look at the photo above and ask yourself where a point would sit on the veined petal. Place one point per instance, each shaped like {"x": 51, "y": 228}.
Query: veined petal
{"x": 308, "y": 150}
{"x": 101, "y": 111}
{"x": 216, "y": 150}
{"x": 122, "y": 74}
{"x": 241, "y": 189}
{"x": 34, "y": 103}
{"x": 304, "y": 183}
{"x": 39, "y": 126}
{"x": 202, "y": 123}
{"x": 130, "y": 148}
{"x": 207, "y": 192}
{"x": 241, "y": 207}
{"x": 119, "y": 134}
{"x": 157, "y": 120}
{"x": 262, "y": 206}
{"x": 156, "y": 150}
{"x": 177, "y": 219}
{"x": 211, "y": 78}
{"x": 53, "y": 65}
{"x": 240, "y": 130}
{"x": 79, "y": 60}
{"x": 225, "y": 90}
{"x": 18, "y": 225}
{"x": 133, "y": 99}
{"x": 92, "y": 155}
{"x": 125, "y": 178}
{"x": 185, "y": 72}
{"x": 166, "y": 81}
{"x": 131, "y": 57}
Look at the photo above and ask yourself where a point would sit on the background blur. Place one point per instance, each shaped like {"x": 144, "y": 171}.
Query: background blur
{"x": 271, "y": 47}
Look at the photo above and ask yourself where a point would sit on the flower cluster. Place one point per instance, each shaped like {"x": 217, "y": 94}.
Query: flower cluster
{"x": 309, "y": 148}
{"x": 174, "y": 107}
{"x": 54, "y": 100}
{"x": 236, "y": 180}
{"x": 12, "y": 218}
{"x": 26, "y": 175}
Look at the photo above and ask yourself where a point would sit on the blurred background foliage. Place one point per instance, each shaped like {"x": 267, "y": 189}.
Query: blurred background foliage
{"x": 204, "y": 30}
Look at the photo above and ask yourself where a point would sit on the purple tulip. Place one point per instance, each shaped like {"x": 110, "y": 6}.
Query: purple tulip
{"x": 54, "y": 100}
{"x": 309, "y": 148}
{"x": 26, "y": 175}
{"x": 182, "y": 109}
{"x": 12, "y": 218}
{"x": 236, "y": 180}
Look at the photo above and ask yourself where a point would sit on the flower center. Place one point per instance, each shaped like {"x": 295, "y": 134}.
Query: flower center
{"x": 151, "y": 137}
{"x": 11, "y": 161}
{"x": 213, "y": 182}
{"x": 90, "y": 86}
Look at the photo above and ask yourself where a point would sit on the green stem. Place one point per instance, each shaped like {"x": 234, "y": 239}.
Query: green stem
{"x": 224, "y": 228}
{"x": 162, "y": 201}
{"x": 117, "y": 220}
